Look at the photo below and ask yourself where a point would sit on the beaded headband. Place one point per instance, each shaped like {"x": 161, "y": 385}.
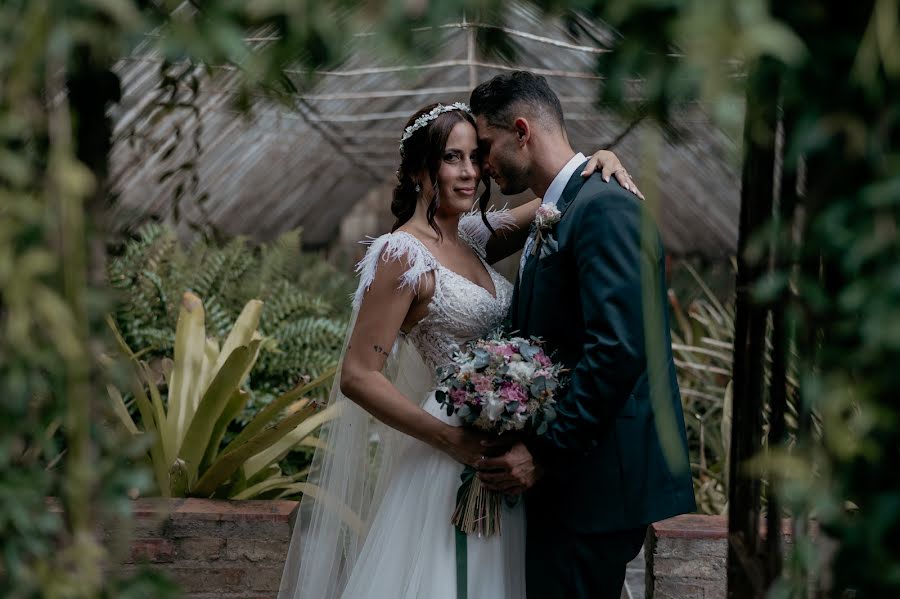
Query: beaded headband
{"x": 435, "y": 112}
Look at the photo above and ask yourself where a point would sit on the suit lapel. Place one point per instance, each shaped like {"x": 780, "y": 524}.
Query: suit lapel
{"x": 576, "y": 181}
{"x": 513, "y": 314}
{"x": 525, "y": 286}
{"x": 526, "y": 283}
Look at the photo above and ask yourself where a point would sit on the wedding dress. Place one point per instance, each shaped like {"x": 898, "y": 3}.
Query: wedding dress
{"x": 377, "y": 524}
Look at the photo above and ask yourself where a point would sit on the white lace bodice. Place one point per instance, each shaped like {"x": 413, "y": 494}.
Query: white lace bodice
{"x": 460, "y": 310}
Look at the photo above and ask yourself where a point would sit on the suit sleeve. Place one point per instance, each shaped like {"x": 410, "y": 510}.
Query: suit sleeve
{"x": 609, "y": 257}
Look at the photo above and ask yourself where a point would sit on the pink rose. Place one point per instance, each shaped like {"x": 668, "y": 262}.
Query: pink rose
{"x": 503, "y": 350}
{"x": 483, "y": 384}
{"x": 458, "y": 396}
{"x": 512, "y": 392}
{"x": 542, "y": 359}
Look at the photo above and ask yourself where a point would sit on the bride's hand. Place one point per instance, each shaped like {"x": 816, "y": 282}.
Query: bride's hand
{"x": 470, "y": 447}
{"x": 610, "y": 165}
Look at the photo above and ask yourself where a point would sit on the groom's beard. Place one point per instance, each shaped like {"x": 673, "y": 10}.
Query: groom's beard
{"x": 511, "y": 190}
{"x": 513, "y": 180}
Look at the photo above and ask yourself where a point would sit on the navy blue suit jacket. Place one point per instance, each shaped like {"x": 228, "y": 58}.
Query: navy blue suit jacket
{"x": 616, "y": 456}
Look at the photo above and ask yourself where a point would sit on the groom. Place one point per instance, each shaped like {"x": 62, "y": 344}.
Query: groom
{"x": 592, "y": 285}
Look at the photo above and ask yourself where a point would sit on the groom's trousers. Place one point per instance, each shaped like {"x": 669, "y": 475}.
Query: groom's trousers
{"x": 567, "y": 565}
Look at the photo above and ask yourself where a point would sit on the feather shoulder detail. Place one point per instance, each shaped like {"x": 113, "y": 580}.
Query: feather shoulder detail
{"x": 476, "y": 234}
{"x": 388, "y": 247}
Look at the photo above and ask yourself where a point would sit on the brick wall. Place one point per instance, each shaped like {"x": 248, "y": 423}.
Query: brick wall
{"x": 221, "y": 549}
{"x": 236, "y": 549}
{"x": 686, "y": 558}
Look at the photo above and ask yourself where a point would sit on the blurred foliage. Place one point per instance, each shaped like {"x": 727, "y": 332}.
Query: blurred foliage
{"x": 204, "y": 393}
{"x": 53, "y": 442}
{"x": 55, "y": 64}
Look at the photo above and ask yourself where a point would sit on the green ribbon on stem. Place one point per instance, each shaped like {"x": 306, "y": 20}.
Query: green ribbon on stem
{"x": 462, "y": 557}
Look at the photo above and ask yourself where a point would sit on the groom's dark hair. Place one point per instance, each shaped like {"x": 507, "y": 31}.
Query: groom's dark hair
{"x": 498, "y": 99}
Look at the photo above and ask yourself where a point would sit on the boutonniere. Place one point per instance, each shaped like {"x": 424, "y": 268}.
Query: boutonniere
{"x": 546, "y": 216}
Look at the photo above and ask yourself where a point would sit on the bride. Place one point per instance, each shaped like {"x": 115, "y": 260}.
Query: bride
{"x": 376, "y": 523}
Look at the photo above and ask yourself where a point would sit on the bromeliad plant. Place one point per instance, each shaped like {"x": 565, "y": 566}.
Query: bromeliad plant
{"x": 304, "y": 319}
{"x": 204, "y": 395}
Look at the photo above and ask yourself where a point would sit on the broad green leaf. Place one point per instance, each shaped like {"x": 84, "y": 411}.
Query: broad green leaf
{"x": 333, "y": 504}
{"x": 281, "y": 448}
{"x": 237, "y": 402}
{"x": 214, "y": 401}
{"x": 274, "y": 409}
{"x": 312, "y": 441}
{"x": 243, "y": 331}
{"x": 255, "y": 338}
{"x": 272, "y": 470}
{"x": 230, "y": 462}
{"x": 190, "y": 344}
{"x": 121, "y": 411}
{"x": 151, "y": 427}
{"x": 117, "y": 334}
{"x": 210, "y": 357}
{"x": 270, "y": 484}
{"x": 159, "y": 413}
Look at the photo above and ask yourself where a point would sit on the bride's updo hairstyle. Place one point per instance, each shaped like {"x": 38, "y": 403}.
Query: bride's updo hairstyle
{"x": 424, "y": 151}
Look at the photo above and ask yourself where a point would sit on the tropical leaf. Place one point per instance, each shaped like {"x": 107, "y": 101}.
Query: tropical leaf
{"x": 274, "y": 409}
{"x": 301, "y": 328}
{"x": 278, "y": 450}
{"x": 228, "y": 463}
{"x": 190, "y": 345}
{"x": 212, "y": 405}
{"x": 118, "y": 404}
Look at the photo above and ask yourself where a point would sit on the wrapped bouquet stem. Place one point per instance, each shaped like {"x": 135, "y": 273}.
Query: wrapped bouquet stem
{"x": 498, "y": 385}
{"x": 477, "y": 508}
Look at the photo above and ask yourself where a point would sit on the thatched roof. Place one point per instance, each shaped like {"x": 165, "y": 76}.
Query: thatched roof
{"x": 307, "y": 164}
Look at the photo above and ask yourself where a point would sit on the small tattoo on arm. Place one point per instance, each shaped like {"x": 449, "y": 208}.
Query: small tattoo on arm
{"x": 380, "y": 350}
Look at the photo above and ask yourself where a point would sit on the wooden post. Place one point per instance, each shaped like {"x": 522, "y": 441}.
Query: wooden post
{"x": 781, "y": 341}
{"x": 746, "y": 574}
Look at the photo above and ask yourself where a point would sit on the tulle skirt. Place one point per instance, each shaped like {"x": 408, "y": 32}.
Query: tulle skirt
{"x": 410, "y": 551}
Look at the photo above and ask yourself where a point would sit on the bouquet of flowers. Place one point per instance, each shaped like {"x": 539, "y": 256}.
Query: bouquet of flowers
{"x": 497, "y": 384}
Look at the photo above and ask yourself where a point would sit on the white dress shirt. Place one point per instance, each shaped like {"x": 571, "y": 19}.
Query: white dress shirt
{"x": 554, "y": 192}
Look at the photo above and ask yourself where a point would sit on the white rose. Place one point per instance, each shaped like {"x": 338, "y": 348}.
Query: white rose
{"x": 521, "y": 371}
{"x": 493, "y": 407}
{"x": 467, "y": 368}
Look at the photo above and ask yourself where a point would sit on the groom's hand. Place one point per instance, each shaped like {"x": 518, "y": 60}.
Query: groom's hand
{"x": 512, "y": 473}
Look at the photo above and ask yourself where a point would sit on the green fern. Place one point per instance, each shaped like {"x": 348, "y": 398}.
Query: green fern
{"x": 306, "y": 300}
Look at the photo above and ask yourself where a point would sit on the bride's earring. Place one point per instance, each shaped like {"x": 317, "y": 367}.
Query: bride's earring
{"x": 418, "y": 188}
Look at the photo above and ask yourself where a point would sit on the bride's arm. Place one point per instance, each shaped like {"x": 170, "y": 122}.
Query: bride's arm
{"x": 511, "y": 238}
{"x": 383, "y": 311}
